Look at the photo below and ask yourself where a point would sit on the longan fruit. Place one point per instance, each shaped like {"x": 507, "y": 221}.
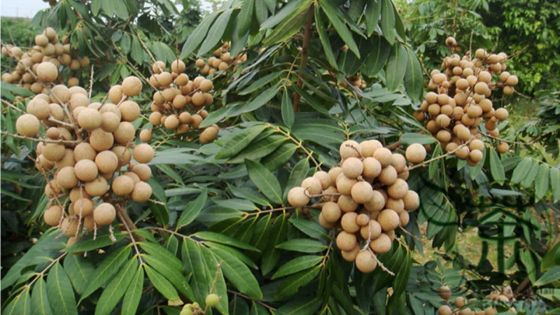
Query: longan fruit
{"x": 178, "y": 66}
{"x": 143, "y": 153}
{"x": 164, "y": 78}
{"x": 27, "y": 125}
{"x": 131, "y": 86}
{"x": 331, "y": 211}
{"x": 382, "y": 244}
{"x": 100, "y": 140}
{"x": 83, "y": 206}
{"x": 351, "y": 254}
{"x": 206, "y": 85}
{"x": 404, "y": 218}
{"x": 462, "y": 132}
{"x": 124, "y": 134}
{"x": 443, "y": 136}
{"x": 54, "y": 151}
{"x": 109, "y": 121}
{"x": 462, "y": 153}
{"x": 476, "y": 144}
{"x": 67, "y": 160}
{"x": 130, "y": 110}
{"x": 398, "y": 189}
{"x": 142, "y": 192}
{"x": 123, "y": 154}
{"x": 460, "y": 302}
{"x": 143, "y": 171}
{"x": 366, "y": 261}
{"x": 503, "y": 147}
{"x": 384, "y": 156}
{"x": 371, "y": 168}
{"x": 52, "y": 215}
{"x": 97, "y": 187}
{"x": 330, "y": 194}
{"x": 444, "y": 292}
{"x": 348, "y": 222}
{"x": 346, "y": 241}
{"x": 84, "y": 151}
{"x": 349, "y": 148}
{"x": 39, "y": 108}
{"x": 404, "y": 174}
{"x": 122, "y": 185}
{"x": 69, "y": 226}
{"x": 104, "y": 214}
{"x": 347, "y": 204}
{"x": 476, "y": 156}
{"x": 362, "y": 219}
{"x": 362, "y": 192}
{"x": 333, "y": 173}
{"x": 171, "y": 122}
{"x": 411, "y": 200}
{"x": 209, "y": 134}
{"x": 388, "y": 175}
{"x": 352, "y": 167}
{"x": 155, "y": 118}
{"x": 86, "y": 170}
{"x": 388, "y": 219}
{"x": 371, "y": 231}
{"x": 312, "y": 185}
{"x": 415, "y": 153}
{"x": 395, "y": 204}
{"x": 376, "y": 203}
{"x": 47, "y": 71}
{"x": 196, "y": 120}
{"x": 490, "y": 311}
{"x": 66, "y": 177}
{"x": 89, "y": 119}
{"x": 115, "y": 94}
{"x": 367, "y": 148}
{"x": 324, "y": 223}
{"x": 344, "y": 184}
{"x": 297, "y": 197}
{"x": 323, "y": 178}
{"x": 444, "y": 310}
{"x": 198, "y": 99}
{"x": 107, "y": 161}
{"x": 501, "y": 114}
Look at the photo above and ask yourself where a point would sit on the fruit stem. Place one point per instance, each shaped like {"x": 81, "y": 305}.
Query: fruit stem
{"x": 439, "y": 157}
{"x": 304, "y": 52}
{"x": 129, "y": 226}
{"x": 39, "y": 139}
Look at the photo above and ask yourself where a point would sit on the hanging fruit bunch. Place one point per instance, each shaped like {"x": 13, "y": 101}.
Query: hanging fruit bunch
{"x": 458, "y": 110}
{"x": 89, "y": 156}
{"x": 220, "y": 61}
{"x": 179, "y": 103}
{"x": 40, "y": 66}
{"x": 462, "y": 306}
{"x": 366, "y": 198}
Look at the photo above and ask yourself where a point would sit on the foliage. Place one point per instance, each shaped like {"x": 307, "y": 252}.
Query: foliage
{"x": 219, "y": 221}
{"x": 17, "y": 31}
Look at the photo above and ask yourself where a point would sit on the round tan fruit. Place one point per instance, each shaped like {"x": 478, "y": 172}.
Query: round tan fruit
{"x": 376, "y": 203}
{"x": 312, "y": 185}
{"x": 324, "y": 178}
{"x": 349, "y": 148}
{"x": 54, "y": 151}
{"x": 352, "y": 167}
{"x": 348, "y": 222}
{"x": 372, "y": 168}
{"x": 130, "y": 110}
{"x": 27, "y": 125}
{"x": 66, "y": 177}
{"x": 351, "y": 254}
{"x": 460, "y": 302}
{"x": 122, "y": 185}
{"x": 104, "y": 214}
{"x": 69, "y": 226}
{"x": 346, "y": 241}
{"x": 346, "y": 203}
{"x": 371, "y": 231}
{"x": 297, "y": 197}
{"x": 344, "y": 184}
{"x": 115, "y": 94}
{"x": 362, "y": 192}
{"x": 388, "y": 219}
{"x": 501, "y": 114}
{"x": 84, "y": 151}
{"x": 142, "y": 192}
{"x": 445, "y": 310}
{"x": 124, "y": 133}
{"x": 368, "y": 147}
{"x": 89, "y": 118}
{"x": 52, "y": 215}
{"x": 366, "y": 261}
{"x": 398, "y": 189}
{"x": 83, "y": 207}
{"x": 123, "y": 154}
{"x": 444, "y": 292}
{"x": 388, "y": 175}
{"x": 334, "y": 172}
{"x": 100, "y": 140}
{"x": 143, "y": 153}
{"x": 143, "y": 171}
{"x": 86, "y": 170}
{"x": 47, "y": 71}
{"x": 106, "y": 161}
{"x": 381, "y": 244}
{"x": 97, "y": 187}
{"x": 503, "y": 147}
{"x": 384, "y": 156}
{"x": 131, "y": 86}
{"x": 411, "y": 200}
{"x": 209, "y": 134}
{"x": 415, "y": 153}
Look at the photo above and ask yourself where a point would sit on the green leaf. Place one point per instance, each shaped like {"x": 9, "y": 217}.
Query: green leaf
{"x": 192, "y": 209}
{"x": 311, "y": 228}
{"x": 198, "y": 35}
{"x": 255, "y": 103}
{"x": 413, "y": 79}
{"x": 265, "y": 181}
{"x": 116, "y": 289}
{"x": 175, "y": 276}
{"x": 551, "y": 275}
{"x": 193, "y": 257}
{"x": 79, "y": 271}
{"x": 39, "y": 298}
{"x": 238, "y": 273}
{"x": 287, "y": 109}
{"x": 20, "y": 305}
{"x": 297, "y": 264}
{"x": 372, "y": 14}
{"x": 396, "y": 67}
{"x": 410, "y": 138}
{"x": 161, "y": 253}
{"x": 541, "y": 182}
{"x": 555, "y": 183}
{"x": 529, "y": 178}
{"x": 59, "y": 291}
{"x": 259, "y": 149}
{"x": 260, "y": 82}
{"x": 245, "y": 17}
{"x": 280, "y": 156}
{"x": 298, "y": 174}
{"x": 302, "y": 245}
{"x": 106, "y": 270}
{"x": 529, "y": 263}
{"x": 521, "y": 170}
{"x": 496, "y": 167}
{"x": 323, "y": 36}
{"x": 340, "y": 27}
{"x": 216, "y": 32}
{"x": 240, "y": 141}
{"x": 388, "y": 21}
{"x": 161, "y": 284}
{"x": 223, "y": 239}
{"x": 292, "y": 284}
{"x": 288, "y": 10}
{"x": 88, "y": 245}
{"x": 133, "y": 293}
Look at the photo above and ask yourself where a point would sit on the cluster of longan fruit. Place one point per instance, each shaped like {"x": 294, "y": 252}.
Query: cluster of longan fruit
{"x": 367, "y": 197}
{"x": 460, "y": 101}
{"x": 87, "y": 154}
{"x": 220, "y": 61}
{"x": 211, "y": 300}
{"x": 38, "y": 67}
{"x": 178, "y": 103}
{"x": 504, "y": 295}
{"x": 357, "y": 81}
{"x": 459, "y": 305}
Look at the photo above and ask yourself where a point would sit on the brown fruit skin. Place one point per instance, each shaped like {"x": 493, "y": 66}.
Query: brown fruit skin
{"x": 143, "y": 171}
{"x": 27, "y": 125}
{"x": 131, "y": 86}
{"x": 388, "y": 175}
{"x": 89, "y": 119}
{"x": 66, "y": 177}
{"x": 86, "y": 170}
{"x": 130, "y": 110}
{"x": 107, "y": 161}
{"x": 349, "y": 148}
{"x": 371, "y": 231}
{"x": 503, "y": 147}
{"x": 344, "y": 184}
{"x": 142, "y": 192}
{"x": 415, "y": 153}
{"x": 69, "y": 226}
{"x": 366, "y": 261}
{"x": 101, "y": 140}
{"x": 54, "y": 151}
{"x": 47, "y": 72}
{"x": 143, "y": 153}
{"x": 362, "y": 192}
{"x": 384, "y": 156}
{"x": 312, "y": 185}
{"x": 368, "y": 147}
{"x": 346, "y": 241}
{"x": 398, "y": 189}
{"x": 97, "y": 187}
{"x": 388, "y": 219}
{"x": 52, "y": 215}
{"x": 411, "y": 200}
{"x": 83, "y": 206}
{"x": 209, "y": 134}
{"x": 346, "y": 203}
{"x": 372, "y": 168}
{"x": 323, "y": 178}
{"x": 297, "y": 197}
{"x": 348, "y": 222}
{"x": 444, "y": 310}
{"x": 381, "y": 244}
{"x": 444, "y": 292}
{"x": 351, "y": 254}
{"x": 352, "y": 167}
{"x": 124, "y": 133}
{"x": 122, "y": 185}
{"x": 104, "y": 214}
{"x": 460, "y": 302}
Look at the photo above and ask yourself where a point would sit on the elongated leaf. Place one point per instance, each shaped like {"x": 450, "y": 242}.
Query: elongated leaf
{"x": 259, "y": 149}
{"x": 216, "y": 32}
{"x": 410, "y": 138}
{"x": 238, "y": 273}
{"x": 20, "y": 304}
{"x": 59, "y": 291}
{"x": 297, "y": 264}
{"x": 192, "y": 209}
{"x": 161, "y": 253}
{"x": 91, "y": 244}
{"x": 372, "y": 14}
{"x": 174, "y": 276}
{"x": 551, "y": 275}
{"x": 496, "y": 167}
{"x": 541, "y": 182}
{"x": 396, "y": 67}
{"x": 298, "y": 174}
{"x": 39, "y": 299}
{"x": 287, "y": 109}
{"x": 280, "y": 156}
{"x": 259, "y": 83}
{"x": 161, "y": 284}
{"x": 134, "y": 293}
{"x": 255, "y": 103}
{"x": 311, "y": 228}
{"x": 340, "y": 27}
{"x": 116, "y": 289}
{"x": 288, "y": 10}
{"x": 106, "y": 270}
{"x": 198, "y": 35}
{"x": 240, "y": 141}
{"x": 245, "y": 17}
{"x": 413, "y": 79}
{"x": 521, "y": 170}
{"x": 531, "y": 174}
{"x": 79, "y": 271}
{"x": 265, "y": 181}
{"x": 302, "y": 245}
{"x": 295, "y": 282}
{"x": 323, "y": 36}
{"x": 388, "y": 21}
{"x": 196, "y": 264}
{"x": 555, "y": 183}
{"x": 223, "y": 239}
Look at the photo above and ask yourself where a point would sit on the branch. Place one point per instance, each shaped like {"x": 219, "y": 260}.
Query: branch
{"x": 439, "y": 157}
{"x": 304, "y": 53}
{"x": 40, "y": 139}
{"x": 129, "y": 226}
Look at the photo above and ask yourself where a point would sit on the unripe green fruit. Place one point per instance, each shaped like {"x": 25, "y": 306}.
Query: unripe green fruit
{"x": 212, "y": 300}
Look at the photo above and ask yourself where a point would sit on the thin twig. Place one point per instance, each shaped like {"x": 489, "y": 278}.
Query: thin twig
{"x": 90, "y": 81}
{"x": 40, "y": 139}
{"x": 439, "y": 157}
{"x": 304, "y": 53}
{"x": 129, "y": 226}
